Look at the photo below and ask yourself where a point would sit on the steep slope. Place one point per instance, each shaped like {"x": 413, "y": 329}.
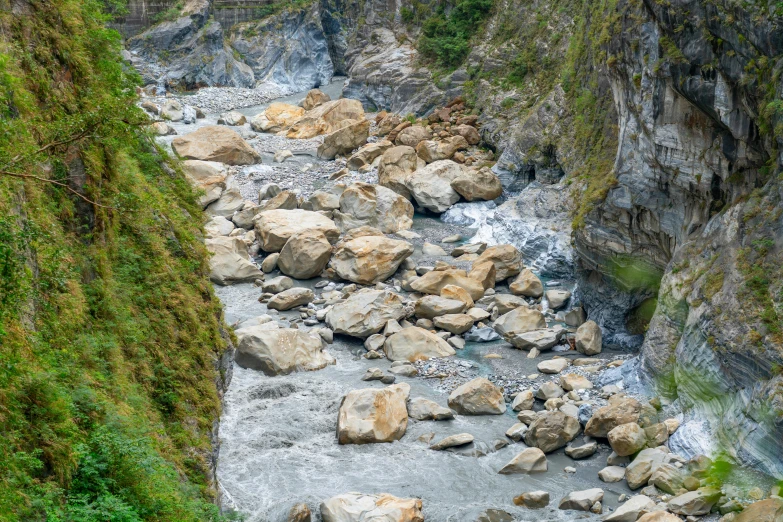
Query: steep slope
{"x": 109, "y": 332}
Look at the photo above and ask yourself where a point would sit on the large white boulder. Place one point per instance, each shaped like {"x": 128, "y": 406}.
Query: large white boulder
{"x": 369, "y": 259}
{"x": 280, "y": 351}
{"x": 357, "y": 507}
{"x": 230, "y": 262}
{"x": 275, "y": 227}
{"x": 373, "y": 415}
{"x": 431, "y": 185}
{"x": 365, "y": 312}
{"x": 416, "y": 344}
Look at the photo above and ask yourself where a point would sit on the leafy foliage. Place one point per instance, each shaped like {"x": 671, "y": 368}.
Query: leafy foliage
{"x": 109, "y": 331}
{"x": 446, "y": 35}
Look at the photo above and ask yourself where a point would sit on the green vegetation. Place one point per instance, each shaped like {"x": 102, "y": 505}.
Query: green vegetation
{"x": 446, "y": 35}
{"x": 109, "y": 331}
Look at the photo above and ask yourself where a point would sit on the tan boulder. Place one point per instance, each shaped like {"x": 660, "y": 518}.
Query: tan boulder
{"x": 280, "y": 351}
{"x": 518, "y": 321}
{"x": 456, "y": 324}
{"x": 369, "y": 259}
{"x": 209, "y": 176}
{"x": 416, "y": 344}
{"x": 477, "y": 397}
{"x": 661, "y": 516}
{"x": 396, "y": 166}
{"x": 367, "y": 154}
{"x": 229, "y": 202}
{"x": 627, "y": 439}
{"x": 478, "y": 185}
{"x": 770, "y": 510}
{"x": 305, "y": 254}
{"x": 230, "y": 262}
{"x": 320, "y": 200}
{"x": 551, "y": 430}
{"x": 527, "y": 284}
{"x": 506, "y": 258}
{"x": 430, "y": 150}
{"x": 373, "y": 415}
{"x": 314, "y": 98}
{"x": 326, "y": 118}
{"x": 694, "y": 503}
{"x": 357, "y": 507}
{"x": 376, "y": 206}
{"x": 528, "y": 461}
{"x": 432, "y": 306}
{"x": 589, "y": 338}
{"x": 387, "y": 124}
{"x": 163, "y": 129}
{"x": 574, "y": 381}
{"x": 215, "y": 143}
{"x": 275, "y": 227}
{"x": 506, "y": 303}
{"x": 344, "y": 140}
{"x": 277, "y": 117}
{"x": 557, "y": 298}
{"x": 458, "y": 293}
{"x": 365, "y": 313}
{"x": 291, "y": 298}
{"x": 431, "y": 186}
{"x": 484, "y": 273}
{"x": 286, "y": 200}
{"x": 620, "y": 410}
{"x": 433, "y": 283}
{"x": 469, "y": 132}
{"x": 411, "y": 136}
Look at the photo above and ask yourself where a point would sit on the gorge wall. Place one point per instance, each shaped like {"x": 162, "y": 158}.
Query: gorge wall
{"x": 662, "y": 122}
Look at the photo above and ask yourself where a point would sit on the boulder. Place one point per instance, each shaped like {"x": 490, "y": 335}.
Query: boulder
{"x": 344, "y": 140}
{"x": 363, "y": 204}
{"x": 411, "y": 136}
{"x": 291, "y": 298}
{"x": 557, "y": 298}
{"x": 469, "y": 132}
{"x": 527, "y": 284}
{"x": 218, "y": 226}
{"x": 367, "y": 154}
{"x": 506, "y": 303}
{"x": 365, "y": 313}
{"x": 277, "y": 284}
{"x": 588, "y": 338}
{"x": 396, "y": 166}
{"x": 431, "y": 151}
{"x": 638, "y": 472}
{"x": 620, "y": 410}
{"x": 540, "y": 340}
{"x": 533, "y": 499}
{"x": 232, "y": 118}
{"x": 285, "y": 200}
{"x": 477, "y": 397}
{"x": 667, "y": 477}
{"x": 549, "y": 390}
{"x": 770, "y": 510}
{"x": 551, "y": 431}
{"x": 275, "y": 227}
{"x": 299, "y": 513}
{"x": 163, "y": 129}
{"x": 230, "y": 262}
{"x": 209, "y": 176}
{"x": 517, "y": 431}
{"x": 631, "y": 510}
{"x": 326, "y": 118}
{"x": 524, "y": 400}
{"x": 373, "y": 415}
{"x": 452, "y": 441}
{"x": 277, "y": 117}
{"x": 612, "y": 474}
{"x": 280, "y": 351}
{"x": 506, "y": 259}
{"x": 458, "y": 293}
{"x": 582, "y": 500}
{"x": 627, "y": 439}
{"x": 425, "y": 409}
{"x": 229, "y": 202}
{"x": 661, "y": 516}
{"x": 320, "y": 200}
{"x": 456, "y": 324}
{"x": 484, "y": 273}
{"x": 314, "y": 98}
{"x": 357, "y": 507}
{"x": 369, "y": 259}
{"x": 416, "y": 344}
{"x": 587, "y": 449}
{"x": 528, "y": 461}
{"x": 432, "y": 306}
{"x": 215, "y": 143}
{"x": 694, "y": 503}
{"x": 518, "y": 321}
{"x": 305, "y": 254}
{"x": 172, "y": 111}
{"x": 573, "y": 381}
{"x": 282, "y": 155}
{"x": 431, "y": 185}
{"x": 552, "y": 366}
{"x": 478, "y": 185}
{"x": 433, "y": 283}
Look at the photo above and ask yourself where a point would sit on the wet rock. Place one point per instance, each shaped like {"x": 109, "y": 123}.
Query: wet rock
{"x": 433, "y": 283}
{"x": 215, "y": 143}
{"x": 588, "y": 338}
{"x": 627, "y": 439}
{"x": 495, "y": 515}
{"x": 697, "y": 502}
{"x": 528, "y": 461}
{"x": 431, "y": 186}
{"x": 582, "y": 500}
{"x": 299, "y": 513}
{"x": 230, "y": 262}
{"x": 425, "y": 409}
{"x": 415, "y": 344}
{"x": 631, "y": 510}
{"x": 373, "y": 374}
{"x": 477, "y": 397}
{"x": 481, "y": 335}
{"x": 369, "y": 259}
{"x": 291, "y": 298}
{"x": 356, "y": 507}
{"x": 506, "y": 259}
{"x": 373, "y": 415}
{"x": 620, "y": 410}
{"x": 280, "y": 351}
{"x": 551, "y": 431}
{"x": 452, "y": 441}
{"x": 365, "y": 313}
{"x": 533, "y": 499}
{"x": 517, "y": 431}
{"x": 583, "y": 451}
{"x": 305, "y": 254}
{"x": 527, "y": 284}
